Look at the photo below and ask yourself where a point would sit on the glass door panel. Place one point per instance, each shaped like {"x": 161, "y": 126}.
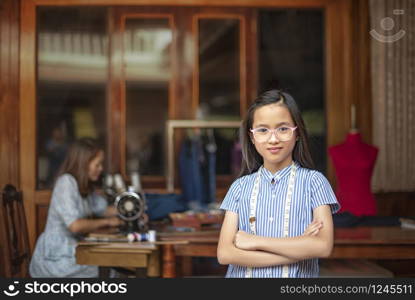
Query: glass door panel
{"x": 219, "y": 69}
{"x": 291, "y": 57}
{"x": 148, "y": 74}
{"x": 72, "y": 64}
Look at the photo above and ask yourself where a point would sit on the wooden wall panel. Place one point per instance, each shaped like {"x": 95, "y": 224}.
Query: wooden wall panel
{"x": 9, "y": 92}
{"x": 338, "y": 74}
{"x": 9, "y": 97}
{"x": 219, "y": 3}
{"x": 27, "y": 113}
{"x": 185, "y": 65}
{"x": 347, "y": 71}
{"x": 114, "y": 95}
{"x": 361, "y": 68}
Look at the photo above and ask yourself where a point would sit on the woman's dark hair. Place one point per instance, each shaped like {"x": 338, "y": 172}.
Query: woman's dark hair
{"x": 76, "y": 163}
{"x": 251, "y": 159}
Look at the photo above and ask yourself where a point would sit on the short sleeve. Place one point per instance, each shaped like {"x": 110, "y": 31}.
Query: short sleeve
{"x": 322, "y": 193}
{"x": 98, "y": 204}
{"x": 231, "y": 201}
{"x": 66, "y": 200}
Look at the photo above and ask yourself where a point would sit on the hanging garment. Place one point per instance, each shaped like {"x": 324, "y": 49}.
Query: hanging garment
{"x": 197, "y": 167}
{"x": 160, "y": 205}
{"x": 190, "y": 158}
{"x": 210, "y": 148}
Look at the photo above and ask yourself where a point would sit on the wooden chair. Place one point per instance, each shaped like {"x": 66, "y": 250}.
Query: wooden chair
{"x": 14, "y": 236}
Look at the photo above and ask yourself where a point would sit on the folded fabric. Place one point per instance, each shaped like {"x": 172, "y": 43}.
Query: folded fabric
{"x": 160, "y": 205}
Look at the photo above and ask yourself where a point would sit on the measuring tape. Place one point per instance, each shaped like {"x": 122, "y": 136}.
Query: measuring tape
{"x": 252, "y": 211}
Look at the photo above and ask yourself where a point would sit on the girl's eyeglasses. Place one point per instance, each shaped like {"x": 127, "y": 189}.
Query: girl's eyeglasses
{"x": 263, "y": 134}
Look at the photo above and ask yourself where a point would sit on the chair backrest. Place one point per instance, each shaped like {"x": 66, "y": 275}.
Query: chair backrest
{"x": 13, "y": 233}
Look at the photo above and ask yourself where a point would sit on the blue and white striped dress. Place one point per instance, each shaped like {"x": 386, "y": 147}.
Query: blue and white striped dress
{"x": 311, "y": 189}
{"x": 54, "y": 254}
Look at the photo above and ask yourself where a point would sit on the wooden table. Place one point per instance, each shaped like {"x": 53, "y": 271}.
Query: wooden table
{"x": 198, "y": 244}
{"x": 349, "y": 243}
{"x": 143, "y": 257}
{"x": 374, "y": 243}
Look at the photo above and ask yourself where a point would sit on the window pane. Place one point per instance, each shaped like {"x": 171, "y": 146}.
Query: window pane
{"x": 72, "y": 62}
{"x": 147, "y": 44}
{"x": 219, "y": 54}
{"x": 291, "y": 58}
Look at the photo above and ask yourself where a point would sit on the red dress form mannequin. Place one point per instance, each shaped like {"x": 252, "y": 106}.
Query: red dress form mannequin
{"x": 354, "y": 161}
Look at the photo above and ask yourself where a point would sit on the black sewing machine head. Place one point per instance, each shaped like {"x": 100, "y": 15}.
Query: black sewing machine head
{"x": 131, "y": 208}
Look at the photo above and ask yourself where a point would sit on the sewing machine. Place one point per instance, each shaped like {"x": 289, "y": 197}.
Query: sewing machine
{"x": 130, "y": 204}
{"x": 131, "y": 208}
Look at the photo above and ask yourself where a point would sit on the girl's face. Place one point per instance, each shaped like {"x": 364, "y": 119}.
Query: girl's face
{"x": 96, "y": 166}
{"x": 276, "y": 154}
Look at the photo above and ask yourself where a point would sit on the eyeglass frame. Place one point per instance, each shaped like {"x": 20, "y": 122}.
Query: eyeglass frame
{"x": 274, "y": 132}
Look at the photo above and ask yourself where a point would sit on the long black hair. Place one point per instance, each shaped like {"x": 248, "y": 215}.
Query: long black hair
{"x": 251, "y": 159}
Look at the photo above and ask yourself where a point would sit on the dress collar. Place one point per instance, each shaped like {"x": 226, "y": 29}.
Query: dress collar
{"x": 269, "y": 177}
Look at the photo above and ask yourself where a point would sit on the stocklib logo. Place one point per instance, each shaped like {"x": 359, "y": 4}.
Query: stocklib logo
{"x": 11, "y": 291}
{"x": 387, "y": 24}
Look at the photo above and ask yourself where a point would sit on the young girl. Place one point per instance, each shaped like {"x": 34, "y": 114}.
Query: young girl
{"x": 278, "y": 213}
{"x": 73, "y": 202}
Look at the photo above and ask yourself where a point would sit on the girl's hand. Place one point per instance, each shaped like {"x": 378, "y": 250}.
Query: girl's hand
{"x": 313, "y": 229}
{"x": 244, "y": 240}
{"x": 114, "y": 222}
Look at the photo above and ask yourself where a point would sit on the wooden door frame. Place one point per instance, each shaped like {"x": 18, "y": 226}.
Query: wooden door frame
{"x": 340, "y": 76}
{"x": 242, "y": 18}
{"x": 117, "y": 93}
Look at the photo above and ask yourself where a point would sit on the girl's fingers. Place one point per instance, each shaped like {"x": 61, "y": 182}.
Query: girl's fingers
{"x": 314, "y": 223}
{"x": 314, "y": 232}
{"x": 318, "y": 225}
{"x": 313, "y": 228}
{"x": 317, "y": 229}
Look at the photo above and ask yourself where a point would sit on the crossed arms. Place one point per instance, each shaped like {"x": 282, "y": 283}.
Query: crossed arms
{"x": 244, "y": 249}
